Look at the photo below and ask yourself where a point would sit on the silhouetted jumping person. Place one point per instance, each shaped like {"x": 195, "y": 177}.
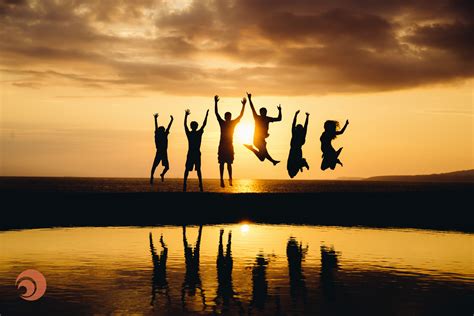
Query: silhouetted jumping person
{"x": 226, "y": 143}
{"x": 262, "y": 122}
{"x": 330, "y": 155}
{"x": 193, "y": 160}
{"x": 161, "y": 143}
{"x": 296, "y": 162}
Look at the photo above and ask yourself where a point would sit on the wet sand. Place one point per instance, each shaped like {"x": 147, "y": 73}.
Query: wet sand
{"x": 429, "y": 206}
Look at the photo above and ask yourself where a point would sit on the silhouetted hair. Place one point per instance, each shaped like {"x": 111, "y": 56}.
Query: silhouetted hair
{"x": 263, "y": 112}
{"x": 331, "y": 127}
{"x": 194, "y": 125}
{"x": 228, "y": 116}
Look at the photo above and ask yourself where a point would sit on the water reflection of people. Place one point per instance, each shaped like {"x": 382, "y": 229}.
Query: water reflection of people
{"x": 259, "y": 283}
{"x": 192, "y": 279}
{"x": 296, "y": 254}
{"x": 329, "y": 267}
{"x": 159, "y": 283}
{"x": 225, "y": 291}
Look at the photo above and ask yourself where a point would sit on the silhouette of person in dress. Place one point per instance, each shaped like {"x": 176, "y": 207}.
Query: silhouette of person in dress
{"x": 330, "y": 155}
{"x": 161, "y": 143}
{"x": 296, "y": 162}
{"x": 262, "y": 123}
{"x": 193, "y": 160}
{"x": 226, "y": 143}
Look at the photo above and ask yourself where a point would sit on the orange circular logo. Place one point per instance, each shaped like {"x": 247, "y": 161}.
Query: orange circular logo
{"x": 34, "y": 282}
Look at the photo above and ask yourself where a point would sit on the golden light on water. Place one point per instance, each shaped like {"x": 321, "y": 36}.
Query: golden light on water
{"x": 71, "y": 258}
{"x": 244, "y": 228}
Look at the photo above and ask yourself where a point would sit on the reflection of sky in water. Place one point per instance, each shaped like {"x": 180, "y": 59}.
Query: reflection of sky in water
{"x": 104, "y": 270}
{"x": 98, "y": 185}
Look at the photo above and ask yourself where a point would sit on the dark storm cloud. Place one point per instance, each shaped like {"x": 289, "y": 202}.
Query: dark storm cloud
{"x": 277, "y": 46}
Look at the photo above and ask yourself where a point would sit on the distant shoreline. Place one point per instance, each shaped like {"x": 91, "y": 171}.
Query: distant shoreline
{"x": 462, "y": 176}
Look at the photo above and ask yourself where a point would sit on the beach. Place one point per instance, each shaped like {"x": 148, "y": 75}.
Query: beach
{"x": 70, "y": 202}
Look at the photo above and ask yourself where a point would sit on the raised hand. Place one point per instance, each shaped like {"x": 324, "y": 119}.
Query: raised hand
{"x": 207, "y": 112}
{"x": 307, "y": 113}
{"x": 216, "y": 98}
{"x": 347, "y": 122}
{"x": 171, "y": 117}
{"x": 297, "y": 112}
{"x": 187, "y": 112}
{"x": 244, "y": 100}
{"x": 155, "y": 115}
{"x": 279, "y": 107}
{"x": 249, "y": 95}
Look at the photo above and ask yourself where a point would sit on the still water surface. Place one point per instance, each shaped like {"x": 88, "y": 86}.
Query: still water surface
{"x": 248, "y": 269}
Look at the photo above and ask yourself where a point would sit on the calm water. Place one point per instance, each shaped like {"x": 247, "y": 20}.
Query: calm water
{"x": 265, "y": 269}
{"x": 124, "y": 185}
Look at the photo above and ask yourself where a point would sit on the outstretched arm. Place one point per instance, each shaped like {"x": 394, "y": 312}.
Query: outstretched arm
{"x": 277, "y": 119}
{"x": 216, "y": 99}
{"x": 294, "y": 120}
{"x": 244, "y": 101}
{"x": 343, "y": 129}
{"x": 306, "y": 123}
{"x": 186, "y": 114}
{"x": 156, "y": 121}
{"x": 205, "y": 120}
{"x": 249, "y": 96}
{"x": 169, "y": 125}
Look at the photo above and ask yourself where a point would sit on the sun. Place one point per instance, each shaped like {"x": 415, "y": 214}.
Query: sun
{"x": 244, "y": 133}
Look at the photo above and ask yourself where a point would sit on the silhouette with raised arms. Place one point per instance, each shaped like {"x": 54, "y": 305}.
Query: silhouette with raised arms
{"x": 330, "y": 155}
{"x": 296, "y": 162}
{"x": 192, "y": 278}
{"x": 161, "y": 143}
{"x": 226, "y": 143}
{"x": 225, "y": 291}
{"x": 193, "y": 160}
{"x": 262, "y": 123}
{"x": 295, "y": 254}
{"x": 159, "y": 281}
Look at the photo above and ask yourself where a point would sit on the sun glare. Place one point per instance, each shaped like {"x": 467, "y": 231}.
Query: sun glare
{"x": 244, "y": 228}
{"x": 244, "y": 133}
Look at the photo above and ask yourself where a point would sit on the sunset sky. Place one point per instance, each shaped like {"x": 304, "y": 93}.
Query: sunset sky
{"x": 80, "y": 80}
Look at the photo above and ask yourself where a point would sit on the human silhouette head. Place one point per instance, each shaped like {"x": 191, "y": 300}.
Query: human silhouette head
{"x": 299, "y": 129}
{"x": 161, "y": 130}
{"x": 263, "y": 112}
{"x": 194, "y": 125}
{"x": 331, "y": 127}
{"x": 228, "y": 116}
